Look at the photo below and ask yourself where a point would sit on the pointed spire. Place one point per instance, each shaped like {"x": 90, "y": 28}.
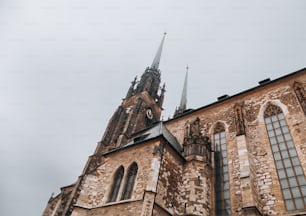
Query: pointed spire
{"x": 183, "y": 103}
{"x": 155, "y": 63}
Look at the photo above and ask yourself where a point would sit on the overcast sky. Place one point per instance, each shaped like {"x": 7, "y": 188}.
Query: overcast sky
{"x": 66, "y": 65}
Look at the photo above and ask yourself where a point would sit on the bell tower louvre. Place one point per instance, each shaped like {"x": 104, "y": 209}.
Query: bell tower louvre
{"x": 241, "y": 155}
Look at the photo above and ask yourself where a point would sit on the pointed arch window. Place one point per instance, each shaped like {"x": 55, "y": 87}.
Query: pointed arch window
{"x": 289, "y": 169}
{"x": 223, "y": 207}
{"x": 116, "y": 184}
{"x": 130, "y": 181}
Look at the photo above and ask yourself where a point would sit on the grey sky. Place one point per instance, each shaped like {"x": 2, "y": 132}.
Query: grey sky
{"x": 66, "y": 65}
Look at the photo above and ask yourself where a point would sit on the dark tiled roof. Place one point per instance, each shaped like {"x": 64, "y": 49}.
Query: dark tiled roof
{"x": 156, "y": 131}
{"x": 159, "y": 130}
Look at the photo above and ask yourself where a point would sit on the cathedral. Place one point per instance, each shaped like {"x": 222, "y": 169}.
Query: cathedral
{"x": 244, "y": 154}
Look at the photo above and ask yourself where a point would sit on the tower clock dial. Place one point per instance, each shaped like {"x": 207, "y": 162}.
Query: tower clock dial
{"x": 149, "y": 113}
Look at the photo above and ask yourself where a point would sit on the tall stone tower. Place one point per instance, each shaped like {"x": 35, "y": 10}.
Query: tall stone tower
{"x": 140, "y": 108}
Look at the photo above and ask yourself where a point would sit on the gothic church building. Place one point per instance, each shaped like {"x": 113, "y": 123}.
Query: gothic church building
{"x": 241, "y": 155}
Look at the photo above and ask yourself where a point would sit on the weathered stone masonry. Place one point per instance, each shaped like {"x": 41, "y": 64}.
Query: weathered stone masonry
{"x": 178, "y": 162}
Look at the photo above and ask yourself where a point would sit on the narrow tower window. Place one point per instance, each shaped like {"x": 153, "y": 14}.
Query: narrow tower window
{"x": 130, "y": 181}
{"x": 223, "y": 207}
{"x": 116, "y": 184}
{"x": 289, "y": 170}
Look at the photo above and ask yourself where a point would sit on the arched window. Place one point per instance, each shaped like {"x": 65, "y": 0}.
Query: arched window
{"x": 223, "y": 207}
{"x": 116, "y": 184}
{"x": 130, "y": 181}
{"x": 289, "y": 170}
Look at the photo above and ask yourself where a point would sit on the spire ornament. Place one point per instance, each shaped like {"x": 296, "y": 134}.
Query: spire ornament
{"x": 162, "y": 95}
{"x": 131, "y": 90}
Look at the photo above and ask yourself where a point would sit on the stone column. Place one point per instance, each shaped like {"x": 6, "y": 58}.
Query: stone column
{"x": 150, "y": 190}
{"x": 197, "y": 184}
{"x": 148, "y": 203}
{"x": 248, "y": 204}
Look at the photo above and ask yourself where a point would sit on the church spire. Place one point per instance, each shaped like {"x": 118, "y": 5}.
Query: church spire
{"x": 141, "y": 107}
{"x": 156, "y": 60}
{"x": 150, "y": 79}
{"x": 183, "y": 103}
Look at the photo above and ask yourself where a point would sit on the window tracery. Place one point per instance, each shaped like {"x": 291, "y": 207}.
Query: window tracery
{"x": 289, "y": 169}
{"x": 219, "y": 128}
{"x": 272, "y": 110}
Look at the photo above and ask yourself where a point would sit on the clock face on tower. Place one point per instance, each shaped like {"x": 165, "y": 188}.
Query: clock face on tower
{"x": 149, "y": 113}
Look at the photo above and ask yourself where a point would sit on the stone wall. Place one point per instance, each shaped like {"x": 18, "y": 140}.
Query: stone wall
{"x": 52, "y": 205}
{"x": 170, "y": 182}
{"x": 196, "y": 188}
{"x": 96, "y": 186}
{"x": 126, "y": 208}
{"x": 209, "y": 119}
{"x": 262, "y": 182}
{"x": 77, "y": 211}
{"x": 265, "y": 182}
{"x": 57, "y": 204}
{"x": 167, "y": 184}
{"x": 158, "y": 211}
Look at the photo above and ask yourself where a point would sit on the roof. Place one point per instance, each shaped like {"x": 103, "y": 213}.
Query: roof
{"x": 226, "y": 97}
{"x": 158, "y": 130}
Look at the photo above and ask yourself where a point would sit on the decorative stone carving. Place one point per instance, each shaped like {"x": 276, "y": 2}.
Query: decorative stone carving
{"x": 93, "y": 164}
{"x": 251, "y": 111}
{"x": 158, "y": 150}
{"x": 290, "y": 101}
{"x": 131, "y": 90}
{"x": 272, "y": 110}
{"x": 205, "y": 129}
{"x": 300, "y": 94}
{"x": 187, "y": 129}
{"x": 219, "y": 128}
{"x": 162, "y": 95}
{"x": 195, "y": 128}
{"x": 239, "y": 119}
{"x": 195, "y": 143}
